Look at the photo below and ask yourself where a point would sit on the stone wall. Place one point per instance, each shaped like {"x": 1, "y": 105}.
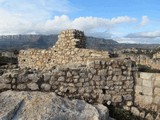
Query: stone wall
{"x": 70, "y": 48}
{"x": 97, "y": 81}
{"x": 156, "y": 55}
{"x": 143, "y": 60}
{"x": 147, "y": 91}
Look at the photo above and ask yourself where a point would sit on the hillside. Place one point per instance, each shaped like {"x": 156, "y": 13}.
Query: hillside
{"x": 17, "y": 42}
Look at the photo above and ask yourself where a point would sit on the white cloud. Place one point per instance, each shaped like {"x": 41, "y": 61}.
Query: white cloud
{"x": 141, "y": 37}
{"x": 145, "y": 20}
{"x": 13, "y": 24}
{"x": 152, "y": 34}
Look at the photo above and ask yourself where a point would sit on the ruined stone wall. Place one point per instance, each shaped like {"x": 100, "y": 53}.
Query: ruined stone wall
{"x": 70, "y": 48}
{"x": 143, "y": 60}
{"x": 156, "y": 55}
{"x": 97, "y": 81}
{"x": 147, "y": 91}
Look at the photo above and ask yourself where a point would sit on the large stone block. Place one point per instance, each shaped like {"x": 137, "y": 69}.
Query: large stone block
{"x": 157, "y": 82}
{"x": 146, "y": 76}
{"x": 156, "y": 100}
{"x": 148, "y": 83}
{"x": 138, "y": 89}
{"x": 147, "y": 90}
{"x": 157, "y": 91}
{"x": 143, "y": 100}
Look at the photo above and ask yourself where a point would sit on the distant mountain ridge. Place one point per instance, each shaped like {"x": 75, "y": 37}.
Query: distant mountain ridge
{"x": 17, "y": 42}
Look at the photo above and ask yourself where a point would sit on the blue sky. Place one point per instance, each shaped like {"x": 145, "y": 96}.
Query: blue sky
{"x": 132, "y": 21}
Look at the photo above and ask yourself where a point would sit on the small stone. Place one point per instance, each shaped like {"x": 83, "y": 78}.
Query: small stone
{"x": 46, "y": 77}
{"x": 117, "y": 98}
{"x": 96, "y": 78}
{"x": 129, "y": 103}
{"x": 75, "y": 80}
{"x": 126, "y": 108}
{"x": 46, "y": 87}
{"x": 33, "y": 77}
{"x": 83, "y": 75}
{"x": 61, "y": 79}
{"x": 69, "y": 74}
{"x": 81, "y": 80}
{"x": 5, "y": 86}
{"x": 93, "y": 71}
{"x": 33, "y": 86}
{"x": 79, "y": 84}
{"x": 127, "y": 97}
{"x": 149, "y": 117}
{"x": 21, "y": 87}
{"x": 142, "y": 114}
{"x": 107, "y": 97}
{"x": 109, "y": 102}
{"x": 135, "y": 111}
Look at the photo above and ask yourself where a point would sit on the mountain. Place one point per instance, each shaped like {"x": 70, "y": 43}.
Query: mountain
{"x": 17, "y": 42}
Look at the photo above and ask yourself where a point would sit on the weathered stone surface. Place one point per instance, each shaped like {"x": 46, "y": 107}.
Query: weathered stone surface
{"x": 117, "y": 98}
{"x": 47, "y": 106}
{"x": 157, "y": 91}
{"x": 148, "y": 83}
{"x": 4, "y": 86}
{"x": 149, "y": 117}
{"x": 33, "y": 86}
{"x": 61, "y": 79}
{"x": 21, "y": 87}
{"x": 147, "y": 90}
{"x": 33, "y": 77}
{"x": 146, "y": 76}
{"x": 46, "y": 86}
{"x": 135, "y": 111}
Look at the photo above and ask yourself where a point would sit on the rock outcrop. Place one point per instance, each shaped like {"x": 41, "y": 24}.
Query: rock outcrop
{"x": 47, "y": 106}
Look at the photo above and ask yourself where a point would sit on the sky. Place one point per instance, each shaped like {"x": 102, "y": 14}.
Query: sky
{"x": 126, "y": 21}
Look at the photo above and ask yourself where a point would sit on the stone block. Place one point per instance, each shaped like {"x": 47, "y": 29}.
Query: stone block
{"x": 33, "y": 86}
{"x": 69, "y": 74}
{"x": 144, "y": 99}
{"x": 148, "y": 83}
{"x": 46, "y": 77}
{"x": 139, "y": 81}
{"x": 45, "y": 87}
{"x": 21, "y": 87}
{"x": 5, "y": 86}
{"x": 61, "y": 79}
{"x": 81, "y": 80}
{"x": 79, "y": 84}
{"x": 149, "y": 117}
{"x": 107, "y": 97}
{"x": 156, "y": 100}
{"x": 93, "y": 71}
{"x": 135, "y": 111}
{"x": 117, "y": 98}
{"x": 157, "y": 83}
{"x": 138, "y": 89}
{"x": 146, "y": 76}
{"x": 127, "y": 97}
{"x": 157, "y": 91}
{"x": 33, "y": 77}
{"x": 4, "y": 80}
{"x": 96, "y": 78}
{"x": 102, "y": 72}
{"x": 147, "y": 91}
